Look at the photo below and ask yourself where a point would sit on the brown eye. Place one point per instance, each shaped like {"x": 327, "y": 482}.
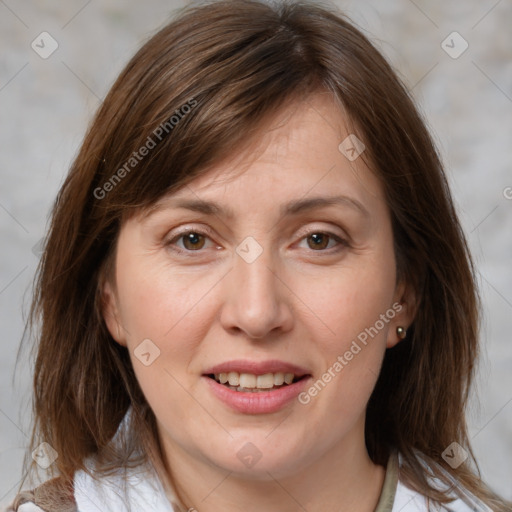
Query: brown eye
{"x": 319, "y": 240}
{"x": 193, "y": 241}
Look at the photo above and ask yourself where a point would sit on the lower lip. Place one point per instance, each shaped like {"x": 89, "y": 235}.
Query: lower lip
{"x": 261, "y": 402}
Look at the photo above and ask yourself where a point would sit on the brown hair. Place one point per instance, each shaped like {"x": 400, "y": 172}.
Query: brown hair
{"x": 235, "y": 63}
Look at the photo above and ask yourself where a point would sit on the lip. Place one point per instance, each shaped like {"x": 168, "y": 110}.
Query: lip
{"x": 257, "y": 367}
{"x": 263, "y": 402}
{"x": 259, "y": 402}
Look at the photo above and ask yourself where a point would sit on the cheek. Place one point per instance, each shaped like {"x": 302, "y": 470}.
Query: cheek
{"x": 171, "y": 308}
{"x": 352, "y": 314}
{"x": 345, "y": 302}
{"x": 158, "y": 302}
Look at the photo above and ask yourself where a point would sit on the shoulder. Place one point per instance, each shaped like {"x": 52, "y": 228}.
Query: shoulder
{"x": 128, "y": 488}
{"x": 413, "y": 501}
{"x": 55, "y": 495}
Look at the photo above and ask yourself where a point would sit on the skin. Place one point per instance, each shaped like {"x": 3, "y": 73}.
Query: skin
{"x": 296, "y": 302}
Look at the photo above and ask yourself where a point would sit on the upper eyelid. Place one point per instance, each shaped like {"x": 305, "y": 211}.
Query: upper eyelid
{"x": 210, "y": 232}
{"x": 184, "y": 231}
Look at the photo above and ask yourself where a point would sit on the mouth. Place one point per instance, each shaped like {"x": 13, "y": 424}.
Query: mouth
{"x": 256, "y": 387}
{"x": 252, "y": 383}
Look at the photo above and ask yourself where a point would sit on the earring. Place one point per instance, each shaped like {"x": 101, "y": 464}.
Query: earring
{"x": 401, "y": 332}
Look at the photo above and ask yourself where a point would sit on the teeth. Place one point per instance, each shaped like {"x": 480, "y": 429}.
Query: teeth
{"x": 251, "y": 381}
{"x": 247, "y": 380}
{"x": 233, "y": 378}
{"x": 264, "y": 381}
{"x": 279, "y": 379}
{"x": 288, "y": 378}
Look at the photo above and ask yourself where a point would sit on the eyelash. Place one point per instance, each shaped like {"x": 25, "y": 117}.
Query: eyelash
{"x": 342, "y": 243}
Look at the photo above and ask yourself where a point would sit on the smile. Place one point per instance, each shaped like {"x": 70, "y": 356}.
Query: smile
{"x": 251, "y": 383}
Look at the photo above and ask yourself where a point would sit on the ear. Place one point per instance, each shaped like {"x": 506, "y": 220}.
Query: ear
{"x": 110, "y": 313}
{"x": 405, "y": 305}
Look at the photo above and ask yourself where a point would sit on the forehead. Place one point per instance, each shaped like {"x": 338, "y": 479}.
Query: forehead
{"x": 297, "y": 159}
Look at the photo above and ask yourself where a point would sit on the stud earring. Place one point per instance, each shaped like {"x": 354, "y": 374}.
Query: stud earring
{"x": 401, "y": 332}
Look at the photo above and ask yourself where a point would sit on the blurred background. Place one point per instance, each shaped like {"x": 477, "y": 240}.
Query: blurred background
{"x": 58, "y": 60}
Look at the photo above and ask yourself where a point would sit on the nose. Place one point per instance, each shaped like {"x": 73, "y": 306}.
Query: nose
{"x": 257, "y": 300}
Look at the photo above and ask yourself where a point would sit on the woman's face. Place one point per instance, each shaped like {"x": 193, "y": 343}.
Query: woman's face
{"x": 291, "y": 272}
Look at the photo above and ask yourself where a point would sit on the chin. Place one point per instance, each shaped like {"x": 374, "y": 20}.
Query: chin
{"x": 258, "y": 459}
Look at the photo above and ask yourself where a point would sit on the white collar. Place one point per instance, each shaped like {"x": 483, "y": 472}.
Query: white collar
{"x": 126, "y": 491}
{"x": 145, "y": 492}
{"x": 407, "y": 500}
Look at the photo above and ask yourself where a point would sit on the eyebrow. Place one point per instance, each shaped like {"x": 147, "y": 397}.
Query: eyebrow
{"x": 291, "y": 208}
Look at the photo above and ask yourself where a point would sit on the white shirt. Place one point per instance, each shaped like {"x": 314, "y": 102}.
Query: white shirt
{"x": 143, "y": 491}
{"x": 407, "y": 500}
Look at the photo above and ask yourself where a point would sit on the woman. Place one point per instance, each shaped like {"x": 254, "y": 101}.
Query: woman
{"x": 255, "y": 293}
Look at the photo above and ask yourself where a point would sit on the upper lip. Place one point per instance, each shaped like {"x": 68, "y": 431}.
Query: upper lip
{"x": 257, "y": 367}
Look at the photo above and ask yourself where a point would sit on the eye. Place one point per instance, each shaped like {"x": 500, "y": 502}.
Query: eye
{"x": 193, "y": 240}
{"x": 319, "y": 240}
